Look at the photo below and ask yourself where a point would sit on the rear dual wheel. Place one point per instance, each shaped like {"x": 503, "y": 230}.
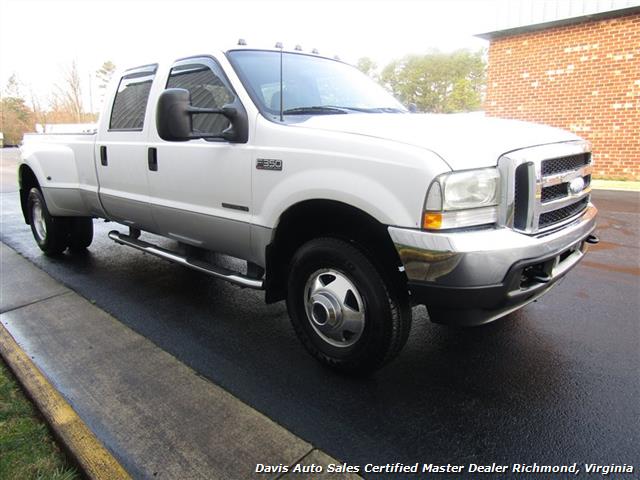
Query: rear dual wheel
{"x": 54, "y": 234}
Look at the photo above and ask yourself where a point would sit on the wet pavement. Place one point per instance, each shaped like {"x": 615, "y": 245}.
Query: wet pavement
{"x": 556, "y": 382}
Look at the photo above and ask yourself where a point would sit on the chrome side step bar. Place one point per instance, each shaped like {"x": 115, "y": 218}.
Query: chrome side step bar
{"x": 214, "y": 271}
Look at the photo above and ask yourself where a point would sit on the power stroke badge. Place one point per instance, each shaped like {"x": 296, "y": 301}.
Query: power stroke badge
{"x": 269, "y": 164}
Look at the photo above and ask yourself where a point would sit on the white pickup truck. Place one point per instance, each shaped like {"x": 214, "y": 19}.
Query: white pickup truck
{"x": 341, "y": 201}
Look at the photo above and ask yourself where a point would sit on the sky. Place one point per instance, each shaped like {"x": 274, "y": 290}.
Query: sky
{"x": 40, "y": 38}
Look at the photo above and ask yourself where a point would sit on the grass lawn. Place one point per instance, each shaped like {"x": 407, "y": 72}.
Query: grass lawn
{"x": 27, "y": 448}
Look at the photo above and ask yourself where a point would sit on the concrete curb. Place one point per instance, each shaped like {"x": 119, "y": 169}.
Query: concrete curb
{"x": 95, "y": 461}
{"x": 615, "y": 185}
{"x": 124, "y": 407}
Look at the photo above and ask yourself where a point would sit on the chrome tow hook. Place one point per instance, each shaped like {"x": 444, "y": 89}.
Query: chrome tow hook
{"x": 592, "y": 239}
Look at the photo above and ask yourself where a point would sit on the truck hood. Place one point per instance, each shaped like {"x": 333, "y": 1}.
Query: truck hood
{"x": 463, "y": 141}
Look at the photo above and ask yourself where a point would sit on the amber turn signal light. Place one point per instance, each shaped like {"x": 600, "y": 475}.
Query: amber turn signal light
{"x": 432, "y": 220}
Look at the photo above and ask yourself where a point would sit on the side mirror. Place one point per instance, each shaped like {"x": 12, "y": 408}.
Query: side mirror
{"x": 174, "y": 122}
{"x": 172, "y": 116}
{"x": 412, "y": 107}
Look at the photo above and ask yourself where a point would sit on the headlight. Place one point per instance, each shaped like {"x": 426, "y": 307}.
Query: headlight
{"x": 462, "y": 199}
{"x": 463, "y": 190}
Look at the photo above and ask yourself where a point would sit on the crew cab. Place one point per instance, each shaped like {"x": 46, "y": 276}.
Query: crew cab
{"x": 339, "y": 200}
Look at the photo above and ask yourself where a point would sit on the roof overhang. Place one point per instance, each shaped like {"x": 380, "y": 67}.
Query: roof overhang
{"x": 558, "y": 23}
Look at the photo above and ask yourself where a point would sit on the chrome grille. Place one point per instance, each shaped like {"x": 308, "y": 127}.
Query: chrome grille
{"x": 565, "y": 164}
{"x": 521, "y": 196}
{"x": 537, "y": 184}
{"x": 560, "y": 190}
{"x": 556, "y": 216}
{"x": 554, "y": 192}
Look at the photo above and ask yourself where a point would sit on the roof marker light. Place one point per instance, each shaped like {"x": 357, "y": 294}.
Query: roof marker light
{"x": 242, "y": 41}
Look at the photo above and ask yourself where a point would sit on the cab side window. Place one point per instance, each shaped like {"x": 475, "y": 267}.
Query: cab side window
{"x": 130, "y": 103}
{"x": 208, "y": 90}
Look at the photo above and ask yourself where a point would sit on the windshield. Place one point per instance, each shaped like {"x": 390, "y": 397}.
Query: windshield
{"x": 311, "y": 85}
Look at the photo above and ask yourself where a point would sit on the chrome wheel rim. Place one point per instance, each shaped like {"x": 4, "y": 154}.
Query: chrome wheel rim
{"x": 39, "y": 224}
{"x": 334, "y": 307}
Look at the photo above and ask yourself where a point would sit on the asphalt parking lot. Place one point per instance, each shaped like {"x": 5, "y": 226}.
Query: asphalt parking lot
{"x": 557, "y": 382}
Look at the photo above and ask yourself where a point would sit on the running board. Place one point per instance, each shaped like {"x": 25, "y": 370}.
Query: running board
{"x": 214, "y": 271}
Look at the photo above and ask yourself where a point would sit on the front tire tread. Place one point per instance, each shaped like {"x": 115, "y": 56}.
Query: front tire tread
{"x": 392, "y": 319}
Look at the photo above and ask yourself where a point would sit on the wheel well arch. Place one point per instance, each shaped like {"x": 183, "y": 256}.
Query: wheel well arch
{"x": 27, "y": 180}
{"x": 310, "y": 219}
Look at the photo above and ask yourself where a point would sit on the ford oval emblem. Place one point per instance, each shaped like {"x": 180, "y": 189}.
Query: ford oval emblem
{"x": 576, "y": 186}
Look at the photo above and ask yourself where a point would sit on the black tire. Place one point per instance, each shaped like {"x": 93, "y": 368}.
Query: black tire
{"x": 80, "y": 233}
{"x": 51, "y": 233}
{"x": 373, "y": 296}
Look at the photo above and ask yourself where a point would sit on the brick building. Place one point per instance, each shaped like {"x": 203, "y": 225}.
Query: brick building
{"x": 580, "y": 73}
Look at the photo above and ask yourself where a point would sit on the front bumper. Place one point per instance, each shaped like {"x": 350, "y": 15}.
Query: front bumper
{"x": 477, "y": 276}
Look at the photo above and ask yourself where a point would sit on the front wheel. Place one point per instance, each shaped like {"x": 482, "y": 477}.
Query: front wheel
{"x": 346, "y": 313}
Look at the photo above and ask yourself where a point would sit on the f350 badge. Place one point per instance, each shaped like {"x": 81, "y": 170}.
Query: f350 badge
{"x": 269, "y": 164}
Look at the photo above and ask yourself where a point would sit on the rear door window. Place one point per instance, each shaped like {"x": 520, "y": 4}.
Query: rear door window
{"x": 130, "y": 104}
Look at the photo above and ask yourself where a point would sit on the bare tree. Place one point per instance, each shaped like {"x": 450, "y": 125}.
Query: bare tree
{"x": 40, "y": 114}
{"x": 59, "y": 111}
{"x": 69, "y": 94}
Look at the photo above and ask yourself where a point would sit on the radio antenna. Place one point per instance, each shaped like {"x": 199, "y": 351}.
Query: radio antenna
{"x": 279, "y": 45}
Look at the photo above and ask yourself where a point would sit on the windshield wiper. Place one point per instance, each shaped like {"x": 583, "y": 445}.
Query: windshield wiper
{"x": 315, "y": 110}
{"x": 392, "y": 110}
{"x": 378, "y": 110}
{"x": 333, "y": 109}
